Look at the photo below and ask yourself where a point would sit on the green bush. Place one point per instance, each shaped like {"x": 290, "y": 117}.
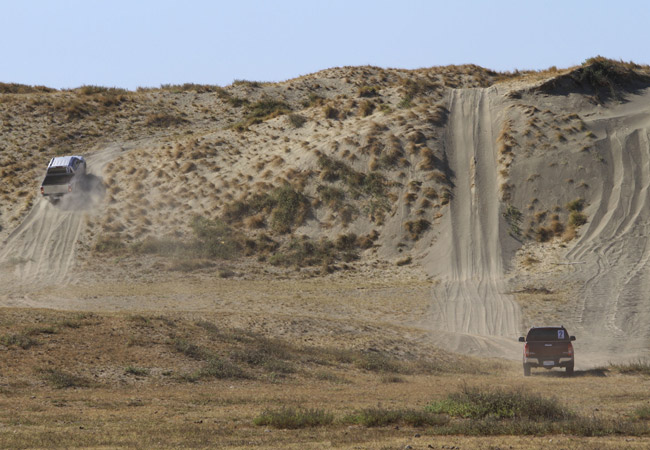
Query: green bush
{"x": 291, "y": 208}
{"x": 378, "y": 362}
{"x": 513, "y": 218}
{"x": 291, "y": 418}
{"x": 286, "y": 206}
{"x": 303, "y": 251}
{"x": 577, "y": 219}
{"x": 267, "y": 108}
{"x": 474, "y": 403}
{"x": 333, "y": 196}
{"x": 221, "y": 369}
{"x": 188, "y": 349}
{"x": 368, "y": 91}
{"x": 296, "y": 120}
{"x": 137, "y": 371}
{"x": 379, "y": 417}
{"x": 191, "y": 87}
{"x": 18, "y": 340}
{"x": 642, "y": 413}
{"x": 63, "y": 380}
{"x": 576, "y": 205}
{"x": 109, "y": 244}
{"x": 258, "y": 112}
{"x": 215, "y": 239}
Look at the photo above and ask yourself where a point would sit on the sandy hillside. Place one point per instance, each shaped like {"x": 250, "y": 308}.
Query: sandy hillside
{"x": 512, "y": 199}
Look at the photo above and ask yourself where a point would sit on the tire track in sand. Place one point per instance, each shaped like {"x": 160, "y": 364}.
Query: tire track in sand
{"x": 613, "y": 310}
{"x": 471, "y": 313}
{"x": 41, "y": 250}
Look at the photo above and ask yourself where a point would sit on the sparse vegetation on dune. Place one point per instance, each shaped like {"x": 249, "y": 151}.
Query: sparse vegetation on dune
{"x": 277, "y": 231}
{"x": 405, "y": 136}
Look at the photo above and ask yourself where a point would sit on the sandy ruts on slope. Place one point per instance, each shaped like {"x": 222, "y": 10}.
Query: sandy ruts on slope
{"x": 612, "y": 309}
{"x": 469, "y": 304}
{"x": 41, "y": 250}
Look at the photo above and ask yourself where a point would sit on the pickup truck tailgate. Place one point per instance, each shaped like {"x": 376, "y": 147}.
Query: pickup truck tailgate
{"x": 551, "y": 349}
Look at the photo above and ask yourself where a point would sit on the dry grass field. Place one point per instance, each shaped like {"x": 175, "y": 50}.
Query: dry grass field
{"x": 82, "y": 379}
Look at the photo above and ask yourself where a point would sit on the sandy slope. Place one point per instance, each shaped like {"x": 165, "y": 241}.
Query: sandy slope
{"x": 470, "y": 303}
{"x": 41, "y": 250}
{"x": 613, "y": 309}
{"x": 471, "y": 309}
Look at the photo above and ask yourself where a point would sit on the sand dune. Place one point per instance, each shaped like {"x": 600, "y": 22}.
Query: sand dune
{"x": 613, "y": 308}
{"x": 564, "y": 146}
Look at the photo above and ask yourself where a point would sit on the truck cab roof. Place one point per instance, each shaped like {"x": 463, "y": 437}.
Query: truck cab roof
{"x": 64, "y": 161}
{"x": 64, "y": 164}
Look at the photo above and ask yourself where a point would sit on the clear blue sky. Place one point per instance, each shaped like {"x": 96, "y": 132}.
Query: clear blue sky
{"x": 69, "y": 43}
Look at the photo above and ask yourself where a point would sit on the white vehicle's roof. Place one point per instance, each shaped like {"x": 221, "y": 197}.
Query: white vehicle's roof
{"x": 63, "y": 161}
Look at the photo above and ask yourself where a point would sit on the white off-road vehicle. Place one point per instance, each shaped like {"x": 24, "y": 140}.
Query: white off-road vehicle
{"x": 63, "y": 175}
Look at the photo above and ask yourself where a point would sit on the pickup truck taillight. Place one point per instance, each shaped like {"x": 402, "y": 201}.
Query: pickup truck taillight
{"x": 69, "y": 188}
{"x": 526, "y": 350}
{"x": 42, "y": 190}
{"x": 570, "y": 349}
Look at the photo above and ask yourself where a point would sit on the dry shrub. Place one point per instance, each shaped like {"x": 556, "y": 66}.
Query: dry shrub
{"x": 506, "y": 189}
{"x": 368, "y": 240}
{"x": 416, "y": 227}
{"x": 577, "y": 219}
{"x": 506, "y": 142}
{"x": 373, "y": 163}
{"x": 438, "y": 177}
{"x": 277, "y": 161}
{"x": 544, "y": 234}
{"x": 557, "y": 227}
{"x": 404, "y": 261}
{"x": 529, "y": 261}
{"x": 428, "y": 161}
{"x": 430, "y": 193}
{"x": 438, "y": 115}
{"x": 330, "y": 112}
{"x": 540, "y": 216}
{"x": 410, "y": 197}
{"x": 417, "y": 137}
{"x": 366, "y": 108}
{"x": 255, "y": 221}
{"x": 164, "y": 120}
{"x": 569, "y": 234}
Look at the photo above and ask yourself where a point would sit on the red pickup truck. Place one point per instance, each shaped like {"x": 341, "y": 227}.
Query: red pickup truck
{"x": 548, "y": 347}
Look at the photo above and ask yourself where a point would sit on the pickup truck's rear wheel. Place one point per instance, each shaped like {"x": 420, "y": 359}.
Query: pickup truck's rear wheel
{"x": 527, "y": 370}
{"x": 569, "y": 370}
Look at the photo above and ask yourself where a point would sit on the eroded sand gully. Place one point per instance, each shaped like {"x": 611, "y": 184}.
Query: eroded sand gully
{"x": 470, "y": 305}
{"x": 609, "y": 262}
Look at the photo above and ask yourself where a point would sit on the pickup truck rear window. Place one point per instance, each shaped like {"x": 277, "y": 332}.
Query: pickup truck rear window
{"x": 57, "y": 170}
{"x": 547, "y": 334}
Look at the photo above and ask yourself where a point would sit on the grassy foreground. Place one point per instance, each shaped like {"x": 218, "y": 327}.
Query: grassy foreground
{"x": 146, "y": 380}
